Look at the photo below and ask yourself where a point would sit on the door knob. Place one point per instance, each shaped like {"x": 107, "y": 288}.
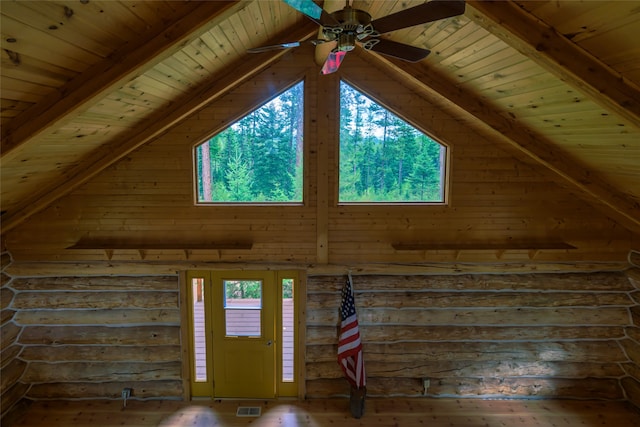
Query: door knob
{"x": 269, "y": 343}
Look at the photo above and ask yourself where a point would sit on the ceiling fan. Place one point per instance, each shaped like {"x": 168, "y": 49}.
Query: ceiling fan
{"x": 348, "y": 26}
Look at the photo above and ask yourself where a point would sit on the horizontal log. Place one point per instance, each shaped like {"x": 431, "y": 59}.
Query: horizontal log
{"x": 436, "y": 299}
{"x": 470, "y": 369}
{"x": 9, "y": 353}
{"x": 42, "y": 372}
{"x": 478, "y": 316}
{"x": 4, "y": 279}
{"x": 69, "y": 335}
{"x": 635, "y": 315}
{"x": 608, "y": 282}
{"x": 632, "y": 370}
{"x": 11, "y": 373}
{"x": 101, "y": 353}
{"x": 633, "y": 332}
{"x": 589, "y": 388}
{"x": 634, "y": 275}
{"x": 578, "y": 351}
{"x": 102, "y": 266}
{"x": 101, "y": 300}
{"x": 394, "y": 333}
{"x": 6, "y": 296}
{"x": 99, "y": 317}
{"x": 9, "y": 333}
{"x": 106, "y": 390}
{"x": 632, "y": 348}
{"x": 97, "y": 283}
{"x": 6, "y": 315}
{"x": 12, "y": 396}
{"x": 631, "y": 387}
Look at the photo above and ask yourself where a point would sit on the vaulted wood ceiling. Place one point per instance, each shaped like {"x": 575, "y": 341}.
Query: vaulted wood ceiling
{"x": 86, "y": 82}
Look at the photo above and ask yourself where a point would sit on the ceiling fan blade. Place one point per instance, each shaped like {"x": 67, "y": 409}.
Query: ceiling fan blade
{"x": 333, "y": 62}
{"x": 421, "y": 14}
{"x": 273, "y": 47}
{"x": 398, "y": 50}
{"x": 313, "y": 12}
{"x": 323, "y": 50}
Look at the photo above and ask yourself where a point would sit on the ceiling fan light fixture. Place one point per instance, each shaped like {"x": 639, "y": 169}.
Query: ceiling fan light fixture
{"x": 346, "y": 42}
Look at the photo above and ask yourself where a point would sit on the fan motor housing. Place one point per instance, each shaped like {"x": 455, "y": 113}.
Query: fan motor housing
{"x": 351, "y": 19}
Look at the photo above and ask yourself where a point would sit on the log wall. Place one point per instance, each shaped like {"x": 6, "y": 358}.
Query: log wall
{"x": 545, "y": 335}
{"x": 631, "y": 345}
{"x": 90, "y": 337}
{"x": 11, "y": 367}
{"x": 481, "y": 335}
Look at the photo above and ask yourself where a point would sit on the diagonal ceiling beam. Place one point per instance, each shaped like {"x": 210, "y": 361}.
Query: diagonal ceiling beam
{"x": 94, "y": 83}
{"x": 537, "y": 147}
{"x": 154, "y": 126}
{"x": 558, "y": 55}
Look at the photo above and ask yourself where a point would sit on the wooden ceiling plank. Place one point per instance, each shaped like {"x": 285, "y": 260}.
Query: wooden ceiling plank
{"x": 614, "y": 203}
{"x": 82, "y": 91}
{"x": 559, "y": 55}
{"x": 243, "y": 69}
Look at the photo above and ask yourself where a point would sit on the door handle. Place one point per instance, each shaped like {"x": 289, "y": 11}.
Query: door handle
{"x": 269, "y": 343}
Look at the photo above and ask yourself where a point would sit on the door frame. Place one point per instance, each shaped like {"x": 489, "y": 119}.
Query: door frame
{"x": 295, "y": 389}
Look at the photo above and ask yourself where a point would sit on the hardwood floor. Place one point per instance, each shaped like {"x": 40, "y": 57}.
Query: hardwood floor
{"x": 334, "y": 412}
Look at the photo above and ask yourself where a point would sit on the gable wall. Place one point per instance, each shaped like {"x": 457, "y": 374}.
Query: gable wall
{"x": 147, "y": 198}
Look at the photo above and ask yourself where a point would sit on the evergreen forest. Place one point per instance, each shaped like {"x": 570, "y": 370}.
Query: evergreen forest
{"x": 382, "y": 157}
{"x": 260, "y": 157}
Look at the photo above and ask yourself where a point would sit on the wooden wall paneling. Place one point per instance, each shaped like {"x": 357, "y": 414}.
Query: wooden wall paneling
{"x": 149, "y": 222}
{"x": 524, "y": 142}
{"x": 157, "y": 125}
{"x": 480, "y": 225}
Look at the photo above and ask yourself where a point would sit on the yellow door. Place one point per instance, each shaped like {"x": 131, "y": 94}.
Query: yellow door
{"x": 244, "y": 319}
{"x": 243, "y": 332}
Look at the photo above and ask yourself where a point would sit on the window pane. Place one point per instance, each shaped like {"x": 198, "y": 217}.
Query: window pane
{"x": 288, "y": 311}
{"x": 199, "y": 336}
{"x": 383, "y": 158}
{"x": 243, "y": 307}
{"x": 258, "y": 158}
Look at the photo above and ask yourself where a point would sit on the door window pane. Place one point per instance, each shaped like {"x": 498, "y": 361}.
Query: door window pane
{"x": 243, "y": 308}
{"x": 199, "y": 336}
{"x": 288, "y": 311}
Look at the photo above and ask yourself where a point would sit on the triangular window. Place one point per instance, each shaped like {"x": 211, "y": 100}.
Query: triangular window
{"x": 258, "y": 159}
{"x": 383, "y": 159}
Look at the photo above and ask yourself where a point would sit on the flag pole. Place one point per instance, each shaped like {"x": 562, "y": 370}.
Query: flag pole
{"x": 350, "y": 349}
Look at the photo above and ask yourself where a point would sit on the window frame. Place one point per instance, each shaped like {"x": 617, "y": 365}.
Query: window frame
{"x": 304, "y": 154}
{"x": 446, "y": 158}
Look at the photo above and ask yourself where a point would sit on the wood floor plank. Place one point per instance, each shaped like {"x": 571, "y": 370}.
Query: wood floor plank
{"x": 333, "y": 412}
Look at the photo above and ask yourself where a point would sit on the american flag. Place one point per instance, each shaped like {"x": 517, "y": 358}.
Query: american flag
{"x": 349, "y": 344}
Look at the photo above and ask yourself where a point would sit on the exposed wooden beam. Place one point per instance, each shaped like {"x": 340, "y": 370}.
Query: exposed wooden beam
{"x": 108, "y": 267}
{"x": 153, "y": 127}
{"x": 94, "y": 83}
{"x": 558, "y": 55}
{"x": 537, "y": 147}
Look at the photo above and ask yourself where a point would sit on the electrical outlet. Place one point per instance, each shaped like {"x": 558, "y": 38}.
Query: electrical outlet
{"x": 425, "y": 385}
{"x": 126, "y": 393}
